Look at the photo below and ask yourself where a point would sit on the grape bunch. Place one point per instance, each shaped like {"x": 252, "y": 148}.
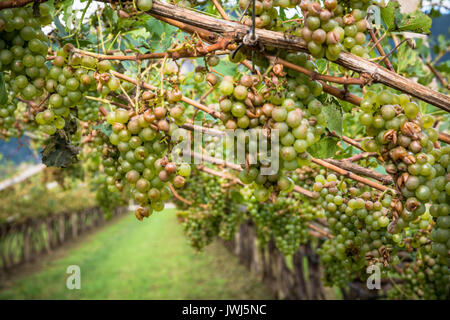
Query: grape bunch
{"x": 327, "y": 31}
{"x": 107, "y": 199}
{"x": 406, "y": 140}
{"x": 66, "y": 87}
{"x": 287, "y": 106}
{"x": 236, "y": 101}
{"x": 358, "y": 218}
{"x": 23, "y": 48}
{"x": 214, "y": 210}
{"x": 8, "y": 119}
{"x": 423, "y": 278}
{"x": 265, "y": 12}
{"x": 88, "y": 110}
{"x": 282, "y": 221}
{"x": 143, "y": 160}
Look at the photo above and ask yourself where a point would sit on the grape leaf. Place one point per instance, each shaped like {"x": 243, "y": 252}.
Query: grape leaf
{"x": 333, "y": 117}
{"x": 444, "y": 67}
{"x": 58, "y": 152}
{"x": 417, "y": 21}
{"x": 388, "y": 14}
{"x": 325, "y": 148}
{"x": 111, "y": 15}
{"x": 155, "y": 27}
{"x": 3, "y": 93}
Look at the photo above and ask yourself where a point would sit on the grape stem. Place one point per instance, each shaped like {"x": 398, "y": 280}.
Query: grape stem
{"x": 380, "y": 49}
{"x": 349, "y": 174}
{"x": 176, "y": 195}
{"x": 206, "y": 94}
{"x": 219, "y": 8}
{"x": 211, "y": 29}
{"x": 350, "y": 166}
{"x": 318, "y": 76}
{"x": 185, "y": 99}
{"x": 361, "y": 156}
{"x": 348, "y": 140}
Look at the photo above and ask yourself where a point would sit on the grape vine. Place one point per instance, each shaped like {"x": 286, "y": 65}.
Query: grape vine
{"x": 363, "y": 157}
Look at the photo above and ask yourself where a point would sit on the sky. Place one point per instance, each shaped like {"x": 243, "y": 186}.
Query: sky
{"x": 446, "y": 3}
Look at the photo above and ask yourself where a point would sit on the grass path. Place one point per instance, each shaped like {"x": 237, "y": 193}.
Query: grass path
{"x": 132, "y": 260}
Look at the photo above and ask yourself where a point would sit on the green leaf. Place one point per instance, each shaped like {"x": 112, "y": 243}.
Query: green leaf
{"x": 407, "y": 57}
{"x": 111, "y": 15}
{"x": 155, "y": 27}
{"x": 60, "y": 27}
{"x": 444, "y": 67}
{"x": 388, "y": 14}
{"x": 333, "y": 117}
{"x": 321, "y": 65}
{"x": 325, "y": 148}
{"x": 226, "y": 67}
{"x": 417, "y": 21}
{"x": 380, "y": 169}
{"x": 3, "y": 93}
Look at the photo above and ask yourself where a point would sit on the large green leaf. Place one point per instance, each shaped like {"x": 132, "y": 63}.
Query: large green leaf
{"x": 388, "y": 14}
{"x": 417, "y": 21}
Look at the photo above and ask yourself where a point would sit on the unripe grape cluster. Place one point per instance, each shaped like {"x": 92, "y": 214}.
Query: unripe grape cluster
{"x": 213, "y": 212}
{"x": 406, "y": 140}
{"x": 328, "y": 30}
{"x": 282, "y": 221}
{"x": 288, "y": 107}
{"x": 8, "y": 119}
{"x": 265, "y": 12}
{"x": 143, "y": 160}
{"x": 23, "y": 48}
{"x": 358, "y": 218}
{"x": 66, "y": 85}
{"x": 423, "y": 278}
{"x": 88, "y": 110}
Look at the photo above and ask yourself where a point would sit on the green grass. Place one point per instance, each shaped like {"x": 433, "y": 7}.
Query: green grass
{"x": 132, "y": 260}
